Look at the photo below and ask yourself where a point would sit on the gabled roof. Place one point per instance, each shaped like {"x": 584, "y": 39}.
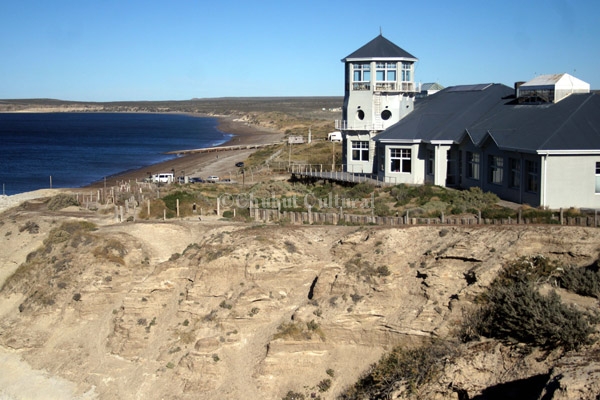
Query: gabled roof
{"x": 379, "y": 48}
{"x": 431, "y": 86}
{"x": 558, "y": 81}
{"x": 571, "y": 125}
{"x": 482, "y": 112}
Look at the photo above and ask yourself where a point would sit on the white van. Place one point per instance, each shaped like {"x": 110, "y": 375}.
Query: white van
{"x": 162, "y": 178}
{"x": 334, "y": 136}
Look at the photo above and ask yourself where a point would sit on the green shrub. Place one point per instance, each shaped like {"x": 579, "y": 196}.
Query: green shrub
{"x": 361, "y": 190}
{"x": 381, "y": 208}
{"x": 324, "y": 385}
{"x": 498, "y": 213}
{"x": 512, "y": 309}
{"x": 584, "y": 281}
{"x": 170, "y": 200}
{"x": 291, "y": 395}
{"x": 61, "y": 201}
{"x": 226, "y": 305}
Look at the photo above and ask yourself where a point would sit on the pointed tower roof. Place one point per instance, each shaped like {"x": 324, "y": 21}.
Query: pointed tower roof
{"x": 379, "y": 49}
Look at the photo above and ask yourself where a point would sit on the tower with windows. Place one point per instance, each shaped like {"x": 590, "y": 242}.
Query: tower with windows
{"x": 379, "y": 91}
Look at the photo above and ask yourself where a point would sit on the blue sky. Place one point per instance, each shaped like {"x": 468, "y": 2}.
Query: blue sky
{"x": 107, "y": 50}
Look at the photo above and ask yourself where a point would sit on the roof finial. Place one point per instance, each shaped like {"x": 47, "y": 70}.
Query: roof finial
{"x": 380, "y": 31}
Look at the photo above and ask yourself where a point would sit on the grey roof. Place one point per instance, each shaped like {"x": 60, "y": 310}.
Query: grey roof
{"x": 489, "y": 112}
{"x": 572, "y": 124}
{"x": 446, "y": 115}
{"x": 431, "y": 86}
{"x": 380, "y": 47}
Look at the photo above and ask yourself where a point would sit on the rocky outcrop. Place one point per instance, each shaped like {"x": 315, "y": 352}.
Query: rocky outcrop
{"x": 222, "y": 310}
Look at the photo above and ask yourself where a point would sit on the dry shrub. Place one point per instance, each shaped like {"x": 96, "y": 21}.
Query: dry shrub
{"x": 113, "y": 251}
{"x": 61, "y": 201}
{"x": 512, "y": 309}
{"x": 413, "y": 367}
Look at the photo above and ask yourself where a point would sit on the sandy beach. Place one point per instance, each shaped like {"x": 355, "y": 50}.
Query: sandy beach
{"x": 221, "y": 163}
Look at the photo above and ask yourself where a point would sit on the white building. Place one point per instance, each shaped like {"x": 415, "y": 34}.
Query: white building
{"x": 379, "y": 91}
{"x": 538, "y": 144}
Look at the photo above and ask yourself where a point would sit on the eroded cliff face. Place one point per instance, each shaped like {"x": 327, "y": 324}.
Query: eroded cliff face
{"x": 211, "y": 309}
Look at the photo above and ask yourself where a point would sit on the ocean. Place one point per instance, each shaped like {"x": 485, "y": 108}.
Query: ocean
{"x": 76, "y": 149}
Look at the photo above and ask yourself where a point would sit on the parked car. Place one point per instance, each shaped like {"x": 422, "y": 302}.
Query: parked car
{"x": 334, "y": 136}
{"x": 196, "y": 180}
{"x": 239, "y": 164}
{"x": 212, "y": 179}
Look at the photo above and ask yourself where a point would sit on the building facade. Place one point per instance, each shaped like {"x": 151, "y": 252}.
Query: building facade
{"x": 379, "y": 91}
{"x": 536, "y": 144}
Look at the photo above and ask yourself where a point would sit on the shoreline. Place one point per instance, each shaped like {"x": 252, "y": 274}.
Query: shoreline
{"x": 196, "y": 164}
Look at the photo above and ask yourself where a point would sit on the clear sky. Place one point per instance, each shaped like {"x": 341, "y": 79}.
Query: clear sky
{"x": 109, "y": 50}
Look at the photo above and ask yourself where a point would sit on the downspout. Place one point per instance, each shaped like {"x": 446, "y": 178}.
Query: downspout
{"x": 437, "y": 164}
{"x": 545, "y": 169}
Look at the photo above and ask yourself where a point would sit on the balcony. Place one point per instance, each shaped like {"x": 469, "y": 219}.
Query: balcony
{"x": 361, "y": 86}
{"x": 385, "y": 86}
{"x": 344, "y": 125}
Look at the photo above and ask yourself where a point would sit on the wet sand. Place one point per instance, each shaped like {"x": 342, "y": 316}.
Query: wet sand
{"x": 221, "y": 163}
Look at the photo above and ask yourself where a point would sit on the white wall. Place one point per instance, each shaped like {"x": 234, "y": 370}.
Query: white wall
{"x": 569, "y": 181}
{"x": 417, "y": 174}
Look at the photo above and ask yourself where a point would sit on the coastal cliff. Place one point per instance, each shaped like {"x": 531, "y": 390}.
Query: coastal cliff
{"x": 222, "y": 309}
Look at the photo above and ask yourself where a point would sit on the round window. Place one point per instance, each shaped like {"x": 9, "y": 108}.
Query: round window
{"x": 360, "y": 114}
{"x": 386, "y": 114}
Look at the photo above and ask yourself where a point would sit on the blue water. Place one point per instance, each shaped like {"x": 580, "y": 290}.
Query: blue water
{"x": 77, "y": 149}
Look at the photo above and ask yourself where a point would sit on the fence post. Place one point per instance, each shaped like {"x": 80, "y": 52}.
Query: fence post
{"x": 561, "y": 217}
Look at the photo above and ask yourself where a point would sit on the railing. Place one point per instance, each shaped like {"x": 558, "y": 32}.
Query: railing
{"x": 324, "y": 172}
{"x": 385, "y": 86}
{"x": 344, "y": 125}
{"x": 408, "y": 87}
{"x": 345, "y": 217}
{"x": 361, "y": 86}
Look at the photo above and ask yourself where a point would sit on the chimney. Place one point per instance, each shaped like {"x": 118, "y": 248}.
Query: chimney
{"x": 517, "y": 85}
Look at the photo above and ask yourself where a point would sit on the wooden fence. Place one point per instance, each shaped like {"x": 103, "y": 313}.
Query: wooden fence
{"x": 318, "y": 218}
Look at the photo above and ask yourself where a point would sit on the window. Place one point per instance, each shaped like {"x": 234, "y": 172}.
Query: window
{"x": 451, "y": 168}
{"x": 515, "y": 173}
{"x": 495, "y": 169}
{"x": 598, "y": 178}
{"x": 430, "y": 162}
{"x": 386, "y": 72}
{"x": 400, "y": 160}
{"x": 361, "y": 76}
{"x": 362, "y": 72}
{"x": 406, "y": 72}
{"x": 386, "y": 114}
{"x": 360, "y": 150}
{"x": 473, "y": 160}
{"x": 532, "y": 175}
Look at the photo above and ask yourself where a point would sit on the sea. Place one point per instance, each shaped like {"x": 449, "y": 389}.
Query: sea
{"x": 69, "y": 150}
